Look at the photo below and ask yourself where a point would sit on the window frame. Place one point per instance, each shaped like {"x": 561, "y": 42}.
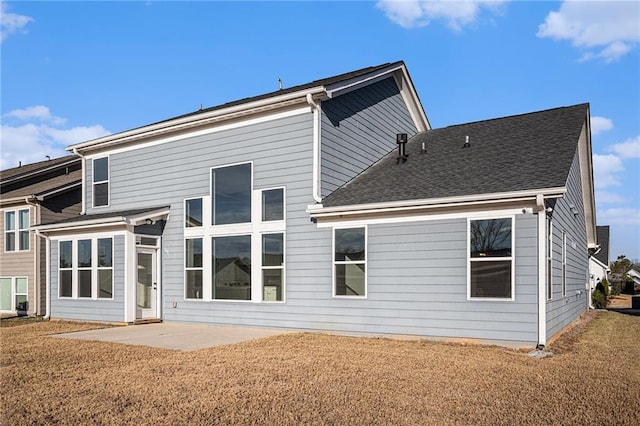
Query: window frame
{"x": 17, "y": 230}
{"x": 281, "y": 267}
{"x": 284, "y": 204}
{"x": 495, "y": 259}
{"x": 200, "y": 268}
{"x": 75, "y": 268}
{"x": 202, "y": 209}
{"x": 564, "y": 264}
{"x": 94, "y": 183}
{"x": 15, "y": 294}
{"x": 104, "y": 268}
{"x": 335, "y": 262}
{"x": 211, "y": 200}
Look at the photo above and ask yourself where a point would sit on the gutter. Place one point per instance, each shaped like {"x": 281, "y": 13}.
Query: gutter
{"x": 315, "y": 107}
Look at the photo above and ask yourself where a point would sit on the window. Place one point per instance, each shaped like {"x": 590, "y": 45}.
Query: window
{"x": 549, "y": 259}
{"x": 13, "y": 294}
{"x": 491, "y": 258}
{"x": 193, "y": 268}
{"x": 101, "y": 182}
{"x": 16, "y": 234}
{"x": 564, "y": 264}
{"x": 231, "y": 267}
{"x": 231, "y": 194}
{"x": 193, "y": 213}
{"x": 272, "y": 267}
{"x": 349, "y": 270}
{"x": 272, "y": 204}
{"x": 86, "y": 268}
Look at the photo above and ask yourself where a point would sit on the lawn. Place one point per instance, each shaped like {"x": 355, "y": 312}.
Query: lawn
{"x": 593, "y": 378}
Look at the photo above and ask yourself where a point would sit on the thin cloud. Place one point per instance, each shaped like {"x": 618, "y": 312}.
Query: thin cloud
{"x": 600, "y": 124}
{"x": 607, "y": 197}
{"x": 605, "y": 170}
{"x": 622, "y": 216}
{"x": 420, "y": 13}
{"x": 628, "y": 149}
{"x": 10, "y": 23}
{"x": 38, "y": 112}
{"x": 608, "y": 30}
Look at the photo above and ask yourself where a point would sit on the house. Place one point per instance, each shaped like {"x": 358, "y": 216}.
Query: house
{"x": 41, "y": 192}
{"x": 292, "y": 209}
{"x": 599, "y": 259}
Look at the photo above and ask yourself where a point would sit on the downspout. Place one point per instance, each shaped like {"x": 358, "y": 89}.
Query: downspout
{"x": 47, "y": 278}
{"x": 542, "y": 290}
{"x": 315, "y": 107}
{"x": 82, "y": 159}
{"x": 36, "y": 250}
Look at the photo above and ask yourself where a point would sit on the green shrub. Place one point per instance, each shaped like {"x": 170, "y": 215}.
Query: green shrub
{"x": 604, "y": 289}
{"x": 598, "y": 299}
{"x": 605, "y": 285}
{"x": 616, "y": 288}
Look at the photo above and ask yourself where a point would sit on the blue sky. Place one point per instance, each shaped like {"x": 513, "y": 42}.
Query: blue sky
{"x": 73, "y": 71}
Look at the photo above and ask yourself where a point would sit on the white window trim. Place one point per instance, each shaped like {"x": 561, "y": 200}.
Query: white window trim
{"x": 282, "y": 267}
{"x": 564, "y": 264}
{"x": 184, "y": 213}
{"x": 284, "y": 205}
{"x": 17, "y": 230}
{"x": 95, "y": 287}
{"x": 335, "y": 262}
{"x": 512, "y": 258}
{"x": 549, "y": 259}
{"x": 193, "y": 268}
{"x": 14, "y": 293}
{"x": 94, "y": 183}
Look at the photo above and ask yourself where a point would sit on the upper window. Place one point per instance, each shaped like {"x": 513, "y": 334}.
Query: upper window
{"x": 349, "y": 269}
{"x": 272, "y": 204}
{"x": 16, "y": 233}
{"x": 193, "y": 213}
{"x": 491, "y": 258}
{"x": 101, "y": 182}
{"x": 231, "y": 194}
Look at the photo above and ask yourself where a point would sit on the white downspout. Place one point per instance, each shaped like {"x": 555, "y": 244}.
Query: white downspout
{"x": 315, "y": 107}
{"x": 542, "y": 288}
{"x": 75, "y": 151}
{"x": 36, "y": 251}
{"x": 47, "y": 274}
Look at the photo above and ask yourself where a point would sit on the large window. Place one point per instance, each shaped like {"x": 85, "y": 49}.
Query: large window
{"x": 231, "y": 194}
{"x": 13, "y": 294}
{"x": 16, "y": 230}
{"x": 86, "y": 268}
{"x": 101, "y": 182}
{"x": 491, "y": 258}
{"x": 349, "y": 269}
{"x": 232, "y": 267}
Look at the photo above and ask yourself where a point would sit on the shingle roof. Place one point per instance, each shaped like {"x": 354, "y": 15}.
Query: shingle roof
{"x": 16, "y": 172}
{"x": 46, "y": 186}
{"x": 516, "y": 153}
{"x": 117, "y": 214}
{"x": 41, "y": 178}
{"x": 602, "y": 236}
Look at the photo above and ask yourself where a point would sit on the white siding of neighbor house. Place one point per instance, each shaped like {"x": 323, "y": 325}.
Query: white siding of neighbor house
{"x": 358, "y": 129}
{"x": 562, "y": 310}
{"x": 105, "y": 310}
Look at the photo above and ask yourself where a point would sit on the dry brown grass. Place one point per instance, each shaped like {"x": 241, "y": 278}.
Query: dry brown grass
{"x": 321, "y": 379}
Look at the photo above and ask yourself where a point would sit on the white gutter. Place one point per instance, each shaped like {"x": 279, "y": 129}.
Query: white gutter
{"x": 542, "y": 276}
{"x": 315, "y": 107}
{"x": 82, "y": 159}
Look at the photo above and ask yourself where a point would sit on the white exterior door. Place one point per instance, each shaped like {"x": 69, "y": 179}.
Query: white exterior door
{"x": 146, "y": 284}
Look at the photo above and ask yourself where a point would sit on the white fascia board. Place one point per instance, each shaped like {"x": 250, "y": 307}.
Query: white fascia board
{"x": 585, "y": 161}
{"x": 198, "y": 119}
{"x": 598, "y": 262}
{"x": 102, "y": 222}
{"x": 319, "y": 211}
{"x": 355, "y": 83}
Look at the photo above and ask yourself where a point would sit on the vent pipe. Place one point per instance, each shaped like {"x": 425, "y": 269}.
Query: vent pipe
{"x": 401, "y": 140}
{"x": 467, "y": 144}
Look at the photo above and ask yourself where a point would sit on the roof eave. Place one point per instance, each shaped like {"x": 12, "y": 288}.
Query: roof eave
{"x": 118, "y": 220}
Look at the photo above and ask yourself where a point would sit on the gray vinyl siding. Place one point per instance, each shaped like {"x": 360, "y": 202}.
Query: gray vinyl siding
{"x": 561, "y": 311}
{"x": 92, "y": 310}
{"x": 359, "y": 128}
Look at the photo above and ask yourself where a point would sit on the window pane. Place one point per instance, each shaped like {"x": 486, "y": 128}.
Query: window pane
{"x": 21, "y": 286}
{"x": 232, "y": 267}
{"x": 272, "y": 249}
{"x": 193, "y": 253}
{"x": 273, "y": 204}
{"x": 146, "y": 241}
{"x": 24, "y": 240}
{"x": 21, "y": 303}
{"x": 105, "y": 284}
{"x": 101, "y": 194}
{"x": 194, "y": 284}
{"x": 490, "y": 238}
{"x": 65, "y": 284}
{"x": 9, "y": 221}
{"x": 23, "y": 220}
{"x": 491, "y": 279}
{"x": 84, "y": 253}
{"x": 349, "y": 244}
{"x": 350, "y": 279}
{"x": 105, "y": 252}
{"x": 231, "y": 194}
{"x": 10, "y": 241}
{"x": 65, "y": 254}
{"x": 84, "y": 283}
{"x": 101, "y": 169}
{"x": 5, "y": 294}
{"x": 193, "y": 213}
{"x": 272, "y": 285}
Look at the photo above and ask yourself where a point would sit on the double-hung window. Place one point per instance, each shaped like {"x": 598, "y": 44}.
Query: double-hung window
{"x": 16, "y": 230}
{"x": 491, "y": 267}
{"x": 101, "y": 182}
{"x": 350, "y": 262}
{"x": 85, "y": 268}
{"x": 13, "y": 294}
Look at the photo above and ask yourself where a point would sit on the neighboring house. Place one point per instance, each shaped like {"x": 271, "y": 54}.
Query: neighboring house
{"x": 31, "y": 194}
{"x": 599, "y": 260}
{"x": 635, "y": 277}
{"x": 292, "y": 209}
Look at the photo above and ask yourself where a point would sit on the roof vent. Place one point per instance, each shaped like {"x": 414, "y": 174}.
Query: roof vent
{"x": 401, "y": 140}
{"x": 467, "y": 144}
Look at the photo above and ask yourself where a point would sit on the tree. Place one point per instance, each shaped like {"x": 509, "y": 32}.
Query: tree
{"x": 619, "y": 269}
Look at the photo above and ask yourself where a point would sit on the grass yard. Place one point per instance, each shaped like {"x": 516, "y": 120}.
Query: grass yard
{"x": 594, "y": 378}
